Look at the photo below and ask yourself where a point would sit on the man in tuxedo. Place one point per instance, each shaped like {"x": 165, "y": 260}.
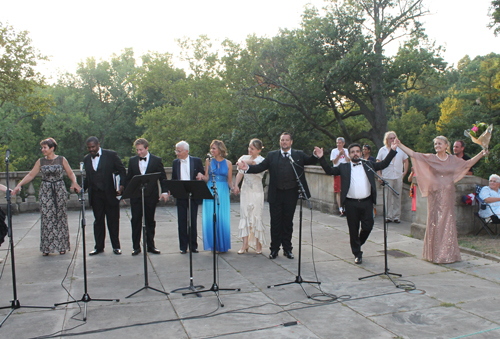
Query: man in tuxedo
{"x": 186, "y": 167}
{"x": 101, "y": 166}
{"x": 358, "y": 192}
{"x": 283, "y": 190}
{"x": 144, "y": 163}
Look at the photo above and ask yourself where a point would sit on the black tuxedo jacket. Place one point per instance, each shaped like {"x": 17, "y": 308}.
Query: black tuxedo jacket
{"x": 154, "y": 165}
{"x": 109, "y": 163}
{"x": 271, "y": 163}
{"x": 195, "y": 165}
{"x": 344, "y": 170}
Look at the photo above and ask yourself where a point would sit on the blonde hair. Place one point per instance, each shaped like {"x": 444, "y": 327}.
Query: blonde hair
{"x": 220, "y": 145}
{"x": 386, "y": 136}
{"x": 444, "y": 139}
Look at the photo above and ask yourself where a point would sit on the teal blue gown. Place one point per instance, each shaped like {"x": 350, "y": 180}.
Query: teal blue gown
{"x": 223, "y": 225}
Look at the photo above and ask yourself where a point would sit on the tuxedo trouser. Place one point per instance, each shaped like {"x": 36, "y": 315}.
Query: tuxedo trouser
{"x": 282, "y": 211}
{"x": 359, "y": 212}
{"x": 182, "y": 224}
{"x": 136, "y": 221}
{"x": 102, "y": 208}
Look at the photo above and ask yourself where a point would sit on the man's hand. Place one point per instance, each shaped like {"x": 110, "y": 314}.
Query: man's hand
{"x": 200, "y": 176}
{"x": 395, "y": 144}
{"x": 318, "y": 152}
{"x": 164, "y": 196}
{"x": 242, "y": 165}
{"x": 119, "y": 192}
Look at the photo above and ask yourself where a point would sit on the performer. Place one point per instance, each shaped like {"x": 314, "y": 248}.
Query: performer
{"x": 100, "y": 167}
{"x": 251, "y": 227}
{"x": 359, "y": 193}
{"x": 54, "y": 231}
{"x": 283, "y": 190}
{"x": 221, "y": 169}
{"x": 143, "y": 163}
{"x": 186, "y": 167}
{"x": 437, "y": 175}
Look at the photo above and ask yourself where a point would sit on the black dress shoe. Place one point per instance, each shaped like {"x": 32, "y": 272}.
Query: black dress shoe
{"x": 289, "y": 255}
{"x": 195, "y": 251}
{"x": 358, "y": 260}
{"x": 183, "y": 252}
{"x": 136, "y": 252}
{"x": 154, "y": 250}
{"x": 273, "y": 255}
{"x": 117, "y": 251}
{"x": 96, "y": 251}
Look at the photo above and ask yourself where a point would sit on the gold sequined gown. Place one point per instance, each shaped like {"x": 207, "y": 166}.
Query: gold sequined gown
{"x": 436, "y": 181}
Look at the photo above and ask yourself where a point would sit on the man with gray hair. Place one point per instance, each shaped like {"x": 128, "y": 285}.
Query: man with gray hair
{"x": 491, "y": 195}
{"x": 186, "y": 167}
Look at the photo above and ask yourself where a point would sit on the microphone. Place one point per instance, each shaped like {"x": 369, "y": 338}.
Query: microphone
{"x": 81, "y": 167}
{"x": 209, "y": 156}
{"x": 291, "y": 159}
{"x": 7, "y": 154}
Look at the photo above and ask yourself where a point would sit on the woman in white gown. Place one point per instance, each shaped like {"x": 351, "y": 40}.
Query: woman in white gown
{"x": 251, "y": 227}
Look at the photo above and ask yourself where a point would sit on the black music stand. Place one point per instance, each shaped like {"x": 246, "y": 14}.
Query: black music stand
{"x": 139, "y": 186}
{"x": 14, "y": 303}
{"x": 191, "y": 190}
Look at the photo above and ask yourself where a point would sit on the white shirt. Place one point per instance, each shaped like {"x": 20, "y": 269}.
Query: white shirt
{"x": 395, "y": 168}
{"x": 360, "y": 185}
{"x": 185, "y": 166}
{"x": 289, "y": 152}
{"x": 95, "y": 161}
{"x": 342, "y": 159}
{"x": 143, "y": 165}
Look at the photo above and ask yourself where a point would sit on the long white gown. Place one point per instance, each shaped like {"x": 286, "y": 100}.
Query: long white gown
{"x": 252, "y": 204}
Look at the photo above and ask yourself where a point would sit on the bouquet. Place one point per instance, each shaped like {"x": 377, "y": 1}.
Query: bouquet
{"x": 480, "y": 134}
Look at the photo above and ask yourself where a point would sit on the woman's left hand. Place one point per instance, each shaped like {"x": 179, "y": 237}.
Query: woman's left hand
{"x": 76, "y": 187}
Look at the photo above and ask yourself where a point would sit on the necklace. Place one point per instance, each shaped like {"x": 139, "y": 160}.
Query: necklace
{"x": 442, "y": 159}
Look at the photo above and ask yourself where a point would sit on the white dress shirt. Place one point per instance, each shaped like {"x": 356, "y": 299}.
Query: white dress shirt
{"x": 360, "y": 185}
{"x": 185, "y": 169}
{"x": 143, "y": 165}
{"x": 95, "y": 161}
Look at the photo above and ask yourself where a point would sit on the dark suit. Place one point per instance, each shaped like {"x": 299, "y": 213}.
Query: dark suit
{"x": 358, "y": 210}
{"x": 283, "y": 193}
{"x": 195, "y": 167}
{"x": 155, "y": 165}
{"x": 102, "y": 196}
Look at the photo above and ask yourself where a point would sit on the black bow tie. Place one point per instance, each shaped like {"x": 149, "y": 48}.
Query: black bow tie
{"x": 140, "y": 159}
{"x": 95, "y": 156}
{"x": 285, "y": 154}
{"x": 359, "y": 163}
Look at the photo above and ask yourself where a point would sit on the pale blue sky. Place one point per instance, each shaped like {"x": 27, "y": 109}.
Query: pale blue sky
{"x": 71, "y": 30}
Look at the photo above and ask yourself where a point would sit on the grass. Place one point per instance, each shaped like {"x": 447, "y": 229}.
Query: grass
{"x": 482, "y": 243}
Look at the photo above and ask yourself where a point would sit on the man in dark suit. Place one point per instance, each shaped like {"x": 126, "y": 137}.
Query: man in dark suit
{"x": 186, "y": 167}
{"x": 283, "y": 190}
{"x": 358, "y": 192}
{"x": 101, "y": 166}
{"x": 144, "y": 163}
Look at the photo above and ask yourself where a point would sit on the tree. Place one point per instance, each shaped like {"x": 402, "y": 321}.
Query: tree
{"x": 333, "y": 69}
{"x": 494, "y": 13}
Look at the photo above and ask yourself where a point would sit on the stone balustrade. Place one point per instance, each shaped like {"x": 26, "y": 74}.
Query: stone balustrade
{"x": 322, "y": 199}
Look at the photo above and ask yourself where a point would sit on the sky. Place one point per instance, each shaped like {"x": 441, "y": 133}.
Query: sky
{"x": 69, "y": 31}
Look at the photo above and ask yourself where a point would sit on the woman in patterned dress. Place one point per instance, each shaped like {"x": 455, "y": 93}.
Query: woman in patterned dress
{"x": 437, "y": 174}
{"x": 251, "y": 228}
{"x": 54, "y": 234}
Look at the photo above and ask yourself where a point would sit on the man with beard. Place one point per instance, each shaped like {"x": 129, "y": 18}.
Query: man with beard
{"x": 358, "y": 192}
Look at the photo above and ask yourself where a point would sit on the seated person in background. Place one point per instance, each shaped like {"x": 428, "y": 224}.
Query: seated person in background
{"x": 491, "y": 195}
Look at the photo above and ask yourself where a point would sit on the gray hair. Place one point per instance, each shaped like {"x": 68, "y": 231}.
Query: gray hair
{"x": 341, "y": 139}
{"x": 496, "y": 177}
{"x": 182, "y": 144}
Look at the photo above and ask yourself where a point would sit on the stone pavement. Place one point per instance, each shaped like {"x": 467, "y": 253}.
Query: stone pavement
{"x": 459, "y": 300}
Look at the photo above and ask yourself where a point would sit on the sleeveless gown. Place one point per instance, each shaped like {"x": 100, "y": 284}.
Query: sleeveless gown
{"x": 252, "y": 205}
{"x": 54, "y": 233}
{"x": 223, "y": 225}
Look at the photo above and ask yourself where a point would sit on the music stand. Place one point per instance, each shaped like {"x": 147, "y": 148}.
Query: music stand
{"x": 139, "y": 186}
{"x": 14, "y": 303}
{"x": 189, "y": 189}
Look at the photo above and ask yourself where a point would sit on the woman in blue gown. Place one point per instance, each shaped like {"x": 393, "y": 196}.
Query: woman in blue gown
{"x": 220, "y": 169}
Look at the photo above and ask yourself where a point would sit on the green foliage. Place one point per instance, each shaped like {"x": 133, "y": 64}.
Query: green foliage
{"x": 494, "y": 14}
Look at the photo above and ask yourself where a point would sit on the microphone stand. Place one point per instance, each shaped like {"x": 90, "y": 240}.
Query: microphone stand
{"x": 14, "y": 303}
{"x": 86, "y": 297}
{"x": 386, "y": 268}
{"x": 215, "y": 288}
{"x": 302, "y": 196}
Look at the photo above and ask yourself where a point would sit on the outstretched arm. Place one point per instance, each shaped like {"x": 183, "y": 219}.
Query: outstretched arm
{"x": 405, "y": 149}
{"x": 327, "y": 168}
